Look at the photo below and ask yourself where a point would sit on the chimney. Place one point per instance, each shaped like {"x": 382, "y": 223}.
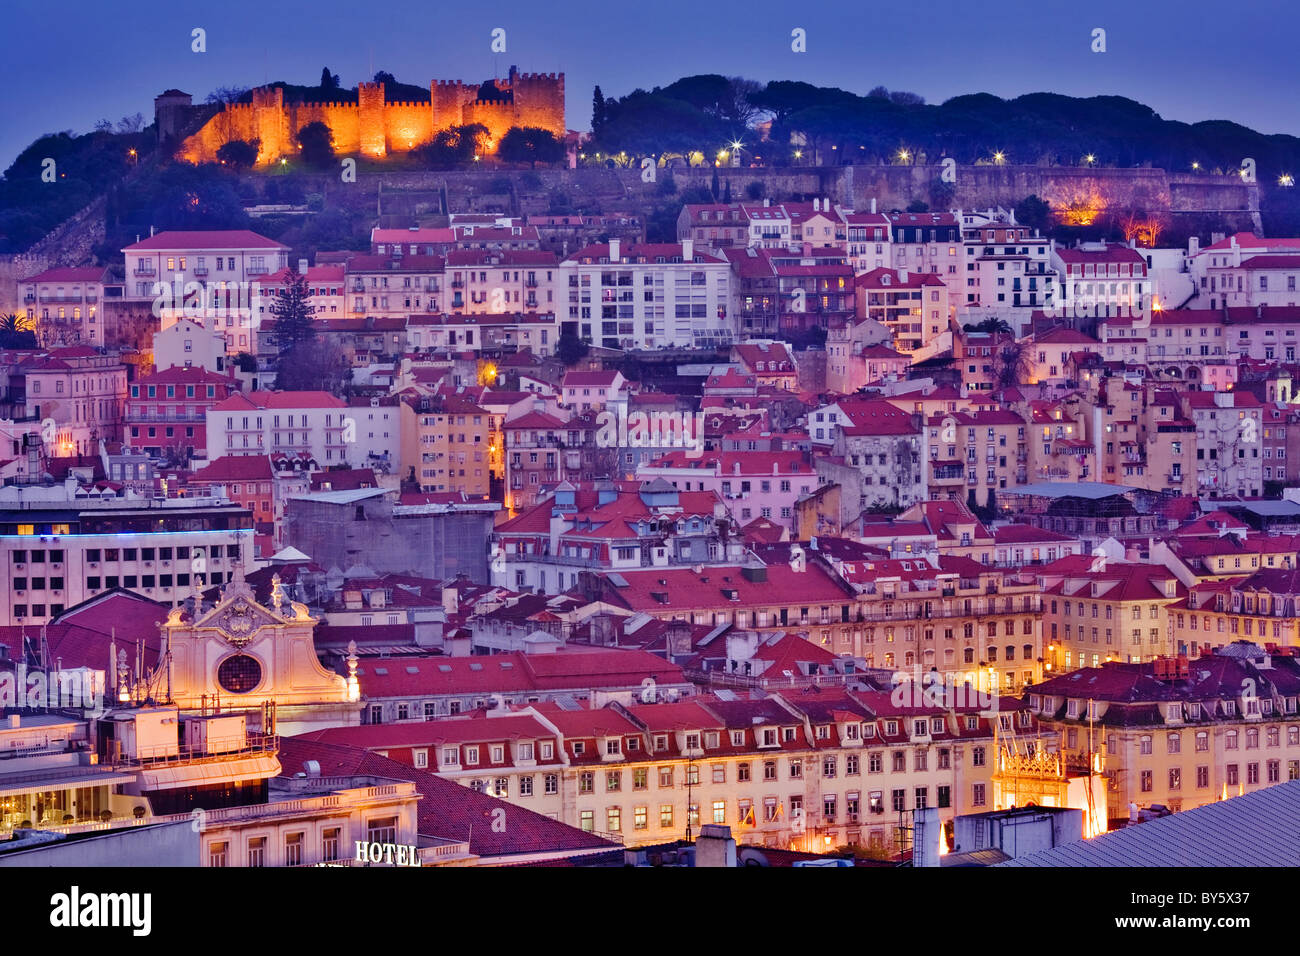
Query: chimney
{"x": 715, "y": 846}
{"x": 873, "y": 203}
{"x": 614, "y": 250}
{"x": 302, "y": 267}
{"x": 767, "y": 203}
{"x": 1193, "y": 246}
{"x": 902, "y": 276}
{"x": 449, "y": 600}
{"x": 688, "y": 250}
{"x": 927, "y": 832}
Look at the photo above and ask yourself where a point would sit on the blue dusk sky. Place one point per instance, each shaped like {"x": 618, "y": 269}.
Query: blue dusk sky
{"x": 77, "y": 61}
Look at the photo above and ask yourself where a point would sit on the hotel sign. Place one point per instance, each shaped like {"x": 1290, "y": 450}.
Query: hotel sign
{"x": 394, "y": 854}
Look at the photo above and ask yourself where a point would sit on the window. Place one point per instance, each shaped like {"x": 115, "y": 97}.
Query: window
{"x": 586, "y": 782}
{"x": 977, "y": 795}
{"x": 665, "y": 816}
{"x": 613, "y": 780}
{"x": 330, "y": 844}
{"x": 587, "y": 821}
{"x": 665, "y": 778}
{"x": 552, "y": 783}
{"x": 257, "y": 851}
{"x": 293, "y": 849}
{"x": 769, "y": 769}
{"x": 640, "y": 818}
{"x": 640, "y": 778}
{"x": 218, "y": 854}
{"x": 614, "y": 819}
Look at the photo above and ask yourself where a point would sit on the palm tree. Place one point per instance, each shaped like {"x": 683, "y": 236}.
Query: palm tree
{"x": 16, "y": 332}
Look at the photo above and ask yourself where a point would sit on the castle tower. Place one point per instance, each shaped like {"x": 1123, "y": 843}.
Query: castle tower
{"x": 370, "y": 119}
{"x": 169, "y": 110}
{"x": 447, "y": 97}
{"x": 271, "y": 123}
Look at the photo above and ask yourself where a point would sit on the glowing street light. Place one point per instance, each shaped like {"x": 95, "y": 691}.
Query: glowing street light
{"x": 999, "y": 158}
{"x": 1195, "y": 165}
{"x": 1286, "y": 179}
{"x": 904, "y": 155}
{"x": 1089, "y": 159}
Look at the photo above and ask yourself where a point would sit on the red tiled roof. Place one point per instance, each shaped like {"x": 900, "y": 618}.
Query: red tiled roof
{"x": 224, "y": 239}
{"x": 449, "y": 811}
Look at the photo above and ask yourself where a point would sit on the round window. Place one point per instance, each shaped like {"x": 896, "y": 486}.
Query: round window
{"x": 239, "y": 674}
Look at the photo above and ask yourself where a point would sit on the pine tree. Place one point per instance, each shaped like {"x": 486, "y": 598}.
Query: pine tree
{"x": 292, "y": 312}
{"x": 715, "y": 185}
{"x": 992, "y": 505}
{"x": 726, "y": 194}
{"x": 598, "y": 114}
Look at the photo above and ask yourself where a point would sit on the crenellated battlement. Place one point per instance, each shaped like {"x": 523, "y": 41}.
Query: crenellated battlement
{"x": 372, "y": 125}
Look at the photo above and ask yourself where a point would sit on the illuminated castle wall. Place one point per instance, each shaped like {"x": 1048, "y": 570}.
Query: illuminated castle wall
{"x": 374, "y": 127}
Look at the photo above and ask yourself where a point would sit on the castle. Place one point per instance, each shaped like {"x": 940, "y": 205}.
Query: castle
{"x": 375, "y": 127}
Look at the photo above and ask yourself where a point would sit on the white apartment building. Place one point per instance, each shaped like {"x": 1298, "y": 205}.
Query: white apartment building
{"x": 1007, "y": 272}
{"x": 60, "y": 546}
{"x": 304, "y": 426}
{"x": 647, "y": 296}
{"x": 1100, "y": 279}
{"x": 214, "y": 277}
{"x": 186, "y": 344}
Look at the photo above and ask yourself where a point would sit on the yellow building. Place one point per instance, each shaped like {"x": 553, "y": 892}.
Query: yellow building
{"x": 453, "y": 446}
{"x": 1261, "y": 607}
{"x": 1180, "y": 733}
{"x": 1097, "y": 610}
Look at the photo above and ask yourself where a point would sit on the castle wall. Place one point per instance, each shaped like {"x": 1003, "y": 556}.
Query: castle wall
{"x": 374, "y": 127}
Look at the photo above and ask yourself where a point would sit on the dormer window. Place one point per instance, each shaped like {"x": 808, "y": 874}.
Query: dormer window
{"x": 692, "y": 741}
{"x": 711, "y": 739}
{"x": 823, "y": 732}
{"x": 853, "y": 731}
{"x": 579, "y": 748}
{"x": 613, "y": 747}
{"x": 769, "y": 737}
{"x": 661, "y": 741}
{"x": 788, "y": 734}
{"x": 891, "y": 727}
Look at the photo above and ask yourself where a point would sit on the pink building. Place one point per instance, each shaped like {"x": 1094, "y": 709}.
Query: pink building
{"x": 752, "y": 484}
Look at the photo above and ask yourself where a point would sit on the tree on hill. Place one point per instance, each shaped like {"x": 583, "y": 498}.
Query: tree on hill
{"x": 328, "y": 80}
{"x": 316, "y": 144}
{"x": 598, "y": 114}
{"x": 529, "y": 144}
{"x": 455, "y": 146}
{"x": 239, "y": 153}
{"x": 315, "y": 365}
{"x": 1035, "y": 213}
{"x": 291, "y": 314}
{"x": 386, "y": 78}
{"x": 570, "y": 349}
{"x": 990, "y": 326}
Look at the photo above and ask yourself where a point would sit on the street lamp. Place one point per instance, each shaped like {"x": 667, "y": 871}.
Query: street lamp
{"x": 1089, "y": 159}
{"x": 999, "y": 158}
{"x": 1286, "y": 179}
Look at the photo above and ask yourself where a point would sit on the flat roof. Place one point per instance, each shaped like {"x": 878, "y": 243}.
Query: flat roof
{"x": 1256, "y": 829}
{"x": 1069, "y": 489}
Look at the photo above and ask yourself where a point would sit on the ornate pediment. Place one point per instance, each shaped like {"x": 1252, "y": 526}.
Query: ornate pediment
{"x": 238, "y": 620}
